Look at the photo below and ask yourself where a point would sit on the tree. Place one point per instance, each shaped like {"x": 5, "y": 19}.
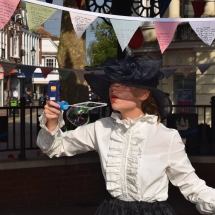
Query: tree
{"x": 105, "y": 44}
{"x": 71, "y": 54}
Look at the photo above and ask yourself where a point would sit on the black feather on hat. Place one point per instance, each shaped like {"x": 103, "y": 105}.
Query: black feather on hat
{"x": 142, "y": 72}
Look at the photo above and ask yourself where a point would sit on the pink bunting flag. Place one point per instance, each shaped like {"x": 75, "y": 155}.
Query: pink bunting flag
{"x": 46, "y": 71}
{"x": 7, "y": 8}
{"x": 165, "y": 32}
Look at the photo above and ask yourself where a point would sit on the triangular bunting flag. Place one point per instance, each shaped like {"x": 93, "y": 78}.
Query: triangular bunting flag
{"x": 37, "y": 15}
{"x": 49, "y": 1}
{"x": 168, "y": 72}
{"x": 204, "y": 67}
{"x": 78, "y": 2}
{"x": 7, "y": 8}
{"x": 64, "y": 73}
{"x": 81, "y": 22}
{"x": 165, "y": 32}
{"x": 205, "y": 30}
{"x": 80, "y": 74}
{"x": 186, "y": 71}
{"x": 163, "y": 5}
{"x": 28, "y": 71}
{"x": 46, "y": 71}
{"x": 124, "y": 30}
{"x": 198, "y": 7}
{"x": 8, "y": 67}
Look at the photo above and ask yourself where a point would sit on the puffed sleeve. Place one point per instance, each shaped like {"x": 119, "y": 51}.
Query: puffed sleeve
{"x": 182, "y": 174}
{"x": 69, "y": 143}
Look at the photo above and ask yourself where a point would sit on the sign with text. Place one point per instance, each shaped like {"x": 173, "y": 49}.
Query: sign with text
{"x": 184, "y": 97}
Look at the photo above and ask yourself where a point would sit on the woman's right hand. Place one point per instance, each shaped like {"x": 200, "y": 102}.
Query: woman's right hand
{"x": 52, "y": 112}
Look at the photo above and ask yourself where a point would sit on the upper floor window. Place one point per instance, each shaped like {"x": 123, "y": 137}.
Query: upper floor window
{"x": 15, "y": 45}
{"x": 3, "y": 53}
{"x": 50, "y": 62}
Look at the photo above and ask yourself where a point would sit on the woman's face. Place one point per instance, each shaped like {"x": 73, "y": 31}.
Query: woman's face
{"x": 127, "y": 99}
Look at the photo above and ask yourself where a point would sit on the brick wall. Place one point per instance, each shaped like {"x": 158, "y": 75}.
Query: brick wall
{"x": 73, "y": 184}
{"x": 51, "y": 185}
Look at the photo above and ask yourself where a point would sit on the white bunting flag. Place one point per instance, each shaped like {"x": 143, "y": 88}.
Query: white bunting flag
{"x": 205, "y": 30}
{"x": 204, "y": 67}
{"x": 81, "y": 22}
{"x": 186, "y": 71}
{"x": 124, "y": 30}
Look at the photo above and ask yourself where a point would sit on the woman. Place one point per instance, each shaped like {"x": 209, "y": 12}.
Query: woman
{"x": 138, "y": 154}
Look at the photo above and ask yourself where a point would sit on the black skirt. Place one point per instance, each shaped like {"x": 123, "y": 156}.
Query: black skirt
{"x": 113, "y": 206}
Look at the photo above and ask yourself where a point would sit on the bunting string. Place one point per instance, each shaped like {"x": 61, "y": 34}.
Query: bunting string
{"x": 110, "y": 16}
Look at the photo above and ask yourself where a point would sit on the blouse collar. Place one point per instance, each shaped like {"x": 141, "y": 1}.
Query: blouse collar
{"x": 129, "y": 122}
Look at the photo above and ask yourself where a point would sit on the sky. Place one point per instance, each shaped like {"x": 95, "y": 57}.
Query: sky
{"x": 53, "y": 24}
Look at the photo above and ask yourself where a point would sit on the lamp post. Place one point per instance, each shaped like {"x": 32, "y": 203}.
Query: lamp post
{"x": 33, "y": 52}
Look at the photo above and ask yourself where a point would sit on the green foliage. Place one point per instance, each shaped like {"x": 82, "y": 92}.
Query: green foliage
{"x": 105, "y": 44}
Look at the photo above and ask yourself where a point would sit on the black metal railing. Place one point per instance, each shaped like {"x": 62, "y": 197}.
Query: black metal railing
{"x": 19, "y": 127}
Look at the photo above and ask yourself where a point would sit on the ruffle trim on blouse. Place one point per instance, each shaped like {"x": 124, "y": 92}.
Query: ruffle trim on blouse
{"x": 129, "y": 122}
{"x": 43, "y": 121}
{"x": 118, "y": 148}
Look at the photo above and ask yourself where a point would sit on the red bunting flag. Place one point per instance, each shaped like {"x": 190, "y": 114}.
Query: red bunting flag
{"x": 78, "y": 2}
{"x": 46, "y": 71}
{"x": 137, "y": 40}
{"x": 198, "y": 7}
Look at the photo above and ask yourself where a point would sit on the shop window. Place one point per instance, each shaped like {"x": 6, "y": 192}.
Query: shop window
{"x": 184, "y": 93}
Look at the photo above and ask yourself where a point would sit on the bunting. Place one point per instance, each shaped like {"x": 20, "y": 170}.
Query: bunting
{"x": 8, "y": 67}
{"x": 37, "y": 15}
{"x": 28, "y": 71}
{"x": 49, "y": 1}
{"x": 168, "y": 72}
{"x": 64, "y": 73}
{"x": 78, "y": 2}
{"x": 204, "y": 67}
{"x": 80, "y": 75}
{"x": 165, "y": 32}
{"x": 198, "y": 7}
{"x": 204, "y": 30}
{"x": 46, "y": 71}
{"x": 186, "y": 71}
{"x": 124, "y": 30}
{"x": 7, "y": 8}
{"x": 81, "y": 22}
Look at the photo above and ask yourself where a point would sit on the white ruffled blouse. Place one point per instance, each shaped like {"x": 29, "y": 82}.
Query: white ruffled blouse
{"x": 138, "y": 158}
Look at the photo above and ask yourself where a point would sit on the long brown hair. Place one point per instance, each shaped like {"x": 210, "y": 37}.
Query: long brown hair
{"x": 150, "y": 106}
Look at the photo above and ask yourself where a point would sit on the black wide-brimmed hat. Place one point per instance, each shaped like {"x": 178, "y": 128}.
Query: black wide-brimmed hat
{"x": 141, "y": 72}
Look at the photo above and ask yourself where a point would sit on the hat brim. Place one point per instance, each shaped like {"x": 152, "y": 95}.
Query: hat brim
{"x": 100, "y": 84}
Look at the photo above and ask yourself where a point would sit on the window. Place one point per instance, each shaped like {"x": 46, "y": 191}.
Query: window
{"x": 15, "y": 45}
{"x": 50, "y": 62}
{"x": 185, "y": 93}
{"x": 3, "y": 53}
